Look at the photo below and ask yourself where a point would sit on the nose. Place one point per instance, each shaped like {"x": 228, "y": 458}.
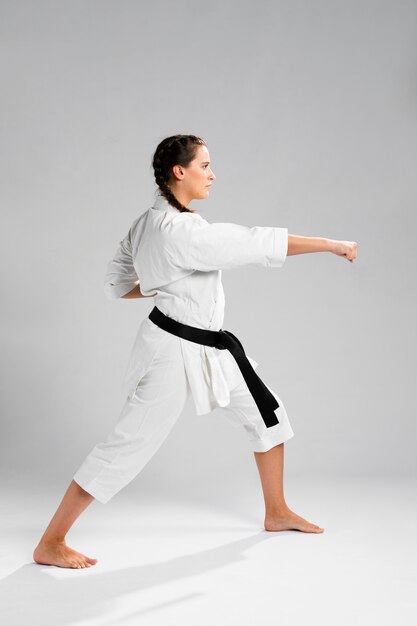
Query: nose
{"x": 212, "y": 176}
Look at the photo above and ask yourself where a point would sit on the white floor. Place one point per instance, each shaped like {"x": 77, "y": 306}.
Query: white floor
{"x": 195, "y": 562}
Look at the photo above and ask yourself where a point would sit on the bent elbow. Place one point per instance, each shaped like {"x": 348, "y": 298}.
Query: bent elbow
{"x": 114, "y": 292}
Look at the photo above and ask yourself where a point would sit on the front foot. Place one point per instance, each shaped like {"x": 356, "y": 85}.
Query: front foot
{"x": 288, "y": 520}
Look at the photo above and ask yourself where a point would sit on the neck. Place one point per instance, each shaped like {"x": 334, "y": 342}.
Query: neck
{"x": 181, "y": 195}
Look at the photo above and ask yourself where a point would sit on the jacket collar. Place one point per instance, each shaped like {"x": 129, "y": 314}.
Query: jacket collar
{"x": 160, "y": 203}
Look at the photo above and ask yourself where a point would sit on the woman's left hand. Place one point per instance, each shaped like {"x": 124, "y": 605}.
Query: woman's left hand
{"x": 348, "y": 249}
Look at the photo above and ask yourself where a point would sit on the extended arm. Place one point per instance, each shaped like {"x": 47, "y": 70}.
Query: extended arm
{"x": 198, "y": 245}
{"x": 267, "y": 246}
{"x": 296, "y": 245}
{"x": 300, "y": 245}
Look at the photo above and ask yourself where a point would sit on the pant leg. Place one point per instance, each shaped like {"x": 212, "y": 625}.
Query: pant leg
{"x": 243, "y": 412}
{"x": 144, "y": 423}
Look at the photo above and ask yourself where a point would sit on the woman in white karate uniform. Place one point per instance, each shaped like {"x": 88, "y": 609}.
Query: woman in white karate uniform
{"x": 174, "y": 255}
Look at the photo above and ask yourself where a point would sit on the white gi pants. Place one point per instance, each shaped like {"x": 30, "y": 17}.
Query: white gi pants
{"x": 148, "y": 417}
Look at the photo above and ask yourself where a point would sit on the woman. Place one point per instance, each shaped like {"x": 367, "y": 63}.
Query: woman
{"x": 173, "y": 254}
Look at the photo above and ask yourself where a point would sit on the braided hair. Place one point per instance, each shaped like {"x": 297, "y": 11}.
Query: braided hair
{"x": 174, "y": 150}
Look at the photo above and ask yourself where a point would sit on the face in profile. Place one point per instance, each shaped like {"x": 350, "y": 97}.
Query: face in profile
{"x": 196, "y": 179}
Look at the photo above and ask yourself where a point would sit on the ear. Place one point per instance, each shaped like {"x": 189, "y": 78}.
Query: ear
{"x": 178, "y": 172}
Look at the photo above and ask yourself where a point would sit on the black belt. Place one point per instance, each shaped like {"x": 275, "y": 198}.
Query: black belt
{"x": 223, "y": 339}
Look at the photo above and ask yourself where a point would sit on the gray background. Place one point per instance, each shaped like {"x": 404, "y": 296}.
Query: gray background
{"x": 308, "y": 111}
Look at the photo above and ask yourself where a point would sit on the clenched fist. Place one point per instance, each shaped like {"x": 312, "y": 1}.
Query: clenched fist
{"x": 344, "y": 248}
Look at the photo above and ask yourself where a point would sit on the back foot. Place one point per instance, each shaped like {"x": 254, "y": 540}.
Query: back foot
{"x": 59, "y": 554}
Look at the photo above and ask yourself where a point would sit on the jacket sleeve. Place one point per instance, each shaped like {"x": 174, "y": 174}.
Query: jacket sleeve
{"x": 199, "y": 245}
{"x": 120, "y": 276}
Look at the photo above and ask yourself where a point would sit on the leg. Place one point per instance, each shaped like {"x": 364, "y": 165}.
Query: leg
{"x": 268, "y": 447}
{"x": 278, "y": 516}
{"x": 52, "y": 549}
{"x": 144, "y": 423}
{"x": 271, "y": 472}
{"x": 146, "y": 420}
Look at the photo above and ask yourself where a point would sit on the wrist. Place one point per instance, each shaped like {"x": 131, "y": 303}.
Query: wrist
{"x": 329, "y": 245}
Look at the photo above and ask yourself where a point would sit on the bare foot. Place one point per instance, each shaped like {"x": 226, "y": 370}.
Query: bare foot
{"x": 288, "y": 520}
{"x": 59, "y": 554}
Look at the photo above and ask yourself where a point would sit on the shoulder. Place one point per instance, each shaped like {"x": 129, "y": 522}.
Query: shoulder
{"x": 182, "y": 224}
{"x": 139, "y": 222}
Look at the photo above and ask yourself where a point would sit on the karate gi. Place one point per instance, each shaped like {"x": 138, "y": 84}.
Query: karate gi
{"x": 179, "y": 258}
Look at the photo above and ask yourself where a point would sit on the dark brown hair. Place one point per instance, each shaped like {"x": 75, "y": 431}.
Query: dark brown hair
{"x": 174, "y": 150}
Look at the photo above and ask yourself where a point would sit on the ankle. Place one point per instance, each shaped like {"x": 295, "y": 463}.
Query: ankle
{"x": 276, "y": 510}
{"x": 49, "y": 540}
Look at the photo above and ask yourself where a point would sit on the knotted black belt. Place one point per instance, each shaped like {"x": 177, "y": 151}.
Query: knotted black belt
{"x": 223, "y": 339}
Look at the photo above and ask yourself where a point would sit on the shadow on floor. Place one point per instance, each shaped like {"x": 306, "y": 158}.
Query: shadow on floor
{"x": 32, "y": 594}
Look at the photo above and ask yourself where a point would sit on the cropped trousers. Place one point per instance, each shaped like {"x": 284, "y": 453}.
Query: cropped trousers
{"x": 149, "y": 415}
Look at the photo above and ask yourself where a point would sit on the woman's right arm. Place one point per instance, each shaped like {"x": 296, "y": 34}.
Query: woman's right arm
{"x": 300, "y": 245}
{"x": 136, "y": 293}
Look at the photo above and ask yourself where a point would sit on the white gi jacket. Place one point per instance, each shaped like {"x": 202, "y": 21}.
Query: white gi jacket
{"x": 180, "y": 258}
